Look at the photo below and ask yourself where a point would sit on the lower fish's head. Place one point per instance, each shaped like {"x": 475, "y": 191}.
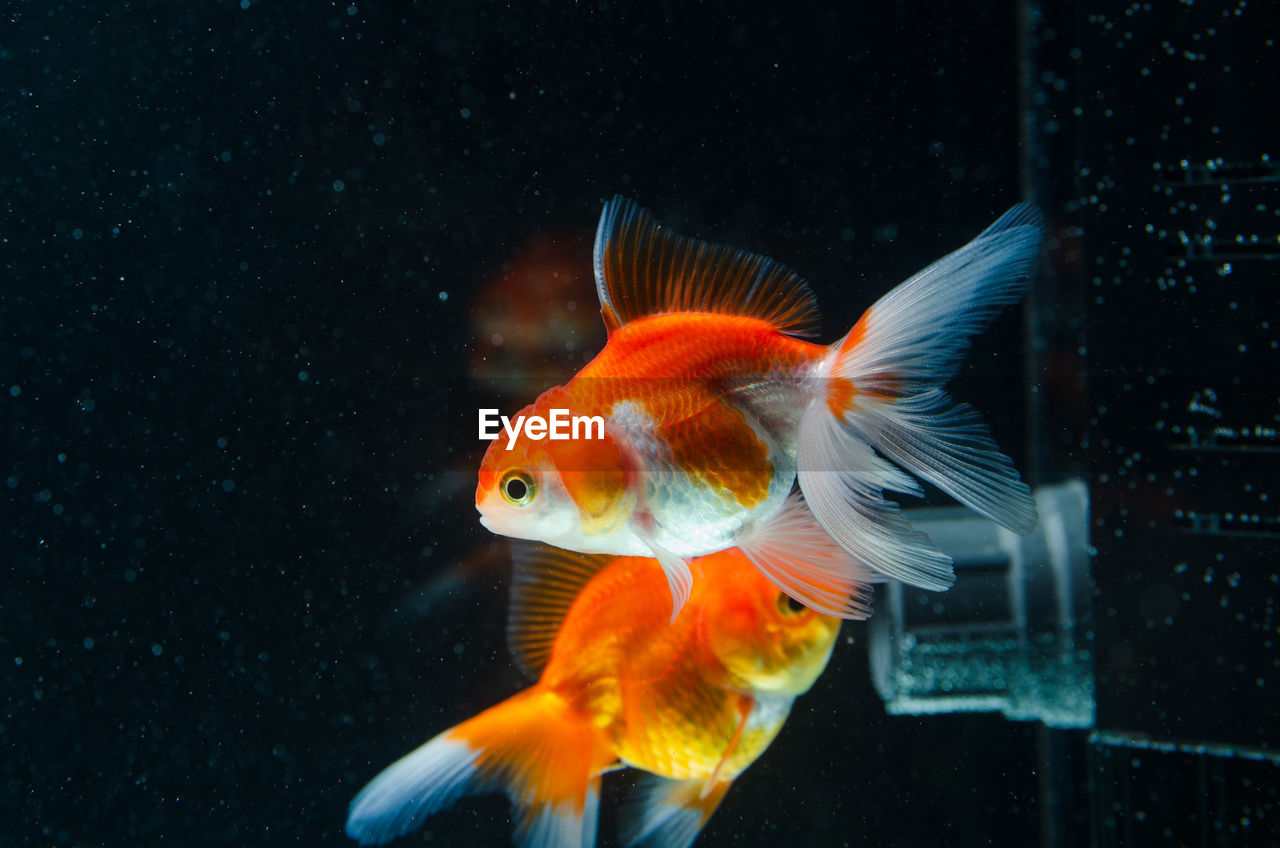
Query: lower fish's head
{"x": 766, "y": 640}
{"x": 573, "y": 493}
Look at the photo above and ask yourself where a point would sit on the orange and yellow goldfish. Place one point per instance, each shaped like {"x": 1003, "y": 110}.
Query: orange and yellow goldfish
{"x": 693, "y": 702}
{"x": 713, "y": 410}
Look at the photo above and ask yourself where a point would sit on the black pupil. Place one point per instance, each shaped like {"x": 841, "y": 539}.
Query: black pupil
{"x": 516, "y": 489}
{"x": 792, "y": 604}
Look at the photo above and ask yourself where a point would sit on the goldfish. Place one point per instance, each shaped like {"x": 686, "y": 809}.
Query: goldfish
{"x": 692, "y": 703}
{"x": 724, "y": 427}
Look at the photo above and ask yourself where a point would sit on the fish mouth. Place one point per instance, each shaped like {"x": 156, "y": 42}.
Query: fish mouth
{"x": 486, "y": 517}
{"x": 494, "y": 521}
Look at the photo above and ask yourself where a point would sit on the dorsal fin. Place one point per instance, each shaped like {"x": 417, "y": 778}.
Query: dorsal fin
{"x": 642, "y": 269}
{"x": 545, "y": 583}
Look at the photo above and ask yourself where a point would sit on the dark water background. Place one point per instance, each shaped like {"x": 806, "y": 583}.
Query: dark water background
{"x": 243, "y": 248}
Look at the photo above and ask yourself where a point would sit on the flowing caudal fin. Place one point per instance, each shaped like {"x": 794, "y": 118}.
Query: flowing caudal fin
{"x": 533, "y": 746}
{"x": 884, "y": 392}
{"x": 801, "y": 559}
{"x": 669, "y": 813}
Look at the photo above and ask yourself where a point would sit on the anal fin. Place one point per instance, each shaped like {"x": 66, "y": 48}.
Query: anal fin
{"x": 667, "y": 813}
{"x": 793, "y": 550}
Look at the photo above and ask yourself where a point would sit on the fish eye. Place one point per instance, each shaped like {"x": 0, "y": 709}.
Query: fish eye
{"x": 789, "y": 606}
{"x": 517, "y": 488}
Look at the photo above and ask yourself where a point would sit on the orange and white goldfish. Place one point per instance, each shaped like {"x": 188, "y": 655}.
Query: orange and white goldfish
{"x": 712, "y": 410}
{"x": 693, "y": 702}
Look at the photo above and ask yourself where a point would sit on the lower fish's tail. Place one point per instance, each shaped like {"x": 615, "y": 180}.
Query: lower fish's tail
{"x": 535, "y": 746}
{"x": 881, "y": 410}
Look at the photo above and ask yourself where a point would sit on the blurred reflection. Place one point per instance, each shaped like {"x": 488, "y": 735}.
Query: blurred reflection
{"x": 536, "y": 320}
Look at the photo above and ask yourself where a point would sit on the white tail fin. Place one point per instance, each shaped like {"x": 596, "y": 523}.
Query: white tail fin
{"x": 533, "y": 746}
{"x": 399, "y": 799}
{"x": 883, "y": 391}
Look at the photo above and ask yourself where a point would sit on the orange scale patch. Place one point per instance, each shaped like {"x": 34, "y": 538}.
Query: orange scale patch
{"x": 717, "y": 448}
{"x": 840, "y": 395}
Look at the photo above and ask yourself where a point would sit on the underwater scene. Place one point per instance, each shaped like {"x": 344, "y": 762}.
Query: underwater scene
{"x": 562, "y": 424}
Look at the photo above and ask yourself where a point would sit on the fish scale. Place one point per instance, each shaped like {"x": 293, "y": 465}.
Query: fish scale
{"x": 718, "y": 452}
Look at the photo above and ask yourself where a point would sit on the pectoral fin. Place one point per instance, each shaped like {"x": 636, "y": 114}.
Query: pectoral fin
{"x": 679, "y": 575}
